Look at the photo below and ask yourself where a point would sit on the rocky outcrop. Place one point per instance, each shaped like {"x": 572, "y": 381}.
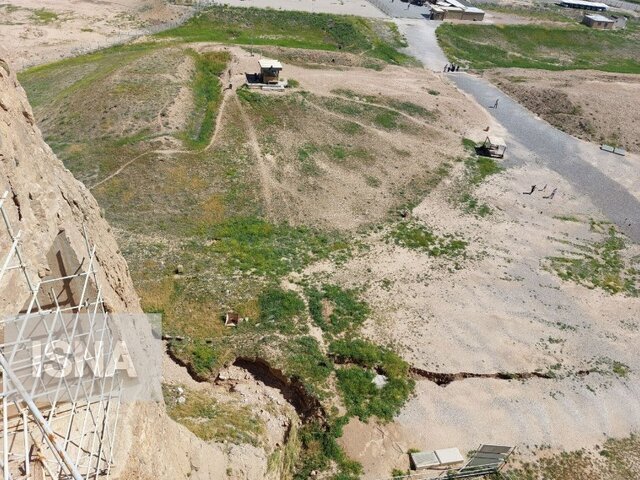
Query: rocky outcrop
{"x": 45, "y": 200}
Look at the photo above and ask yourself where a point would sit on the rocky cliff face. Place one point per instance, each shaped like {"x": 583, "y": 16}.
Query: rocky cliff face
{"x": 44, "y": 202}
{"x": 45, "y": 199}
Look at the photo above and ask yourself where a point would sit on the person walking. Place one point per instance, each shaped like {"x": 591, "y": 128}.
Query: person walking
{"x": 496, "y": 104}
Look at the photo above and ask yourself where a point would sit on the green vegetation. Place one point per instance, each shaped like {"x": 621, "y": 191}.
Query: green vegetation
{"x": 43, "y": 15}
{"x": 280, "y": 308}
{"x": 207, "y": 93}
{"x": 620, "y": 369}
{"x": 600, "y": 265}
{"x": 336, "y": 310}
{"x": 362, "y": 396}
{"x": 416, "y": 236}
{"x": 252, "y": 244}
{"x": 539, "y": 46}
{"x": 567, "y": 218}
{"x": 377, "y": 116}
{"x": 321, "y": 449}
{"x": 211, "y": 420}
{"x": 315, "y": 31}
{"x": 305, "y": 361}
{"x": 477, "y": 169}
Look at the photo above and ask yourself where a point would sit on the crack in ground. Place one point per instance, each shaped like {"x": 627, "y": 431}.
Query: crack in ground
{"x": 444, "y": 379}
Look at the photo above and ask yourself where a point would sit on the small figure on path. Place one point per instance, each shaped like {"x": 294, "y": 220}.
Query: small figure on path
{"x": 445, "y": 67}
{"x": 552, "y": 194}
{"x": 533, "y": 189}
{"x": 457, "y": 68}
{"x": 495, "y": 105}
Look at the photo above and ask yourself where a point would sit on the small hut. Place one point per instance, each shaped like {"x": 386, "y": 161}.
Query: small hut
{"x": 601, "y": 22}
{"x": 270, "y": 70}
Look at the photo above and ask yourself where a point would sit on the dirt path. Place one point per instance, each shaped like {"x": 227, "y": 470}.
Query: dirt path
{"x": 263, "y": 168}
{"x": 390, "y": 109}
{"x": 347, "y": 119}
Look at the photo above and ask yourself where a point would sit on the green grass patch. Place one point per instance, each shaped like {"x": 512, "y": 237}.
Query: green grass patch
{"x": 349, "y": 128}
{"x": 600, "y": 265}
{"x": 479, "y": 168}
{"x": 212, "y": 420}
{"x": 415, "y": 236}
{"x": 539, "y": 46}
{"x": 403, "y": 106}
{"x": 307, "y": 164}
{"x": 362, "y": 397}
{"x": 254, "y": 245}
{"x": 567, "y": 218}
{"x": 280, "y": 309}
{"x": 618, "y": 459}
{"x": 207, "y": 94}
{"x": 321, "y": 450}
{"x": 43, "y": 15}
{"x": 315, "y": 31}
{"x": 370, "y": 113}
{"x": 336, "y": 310}
{"x": 304, "y": 360}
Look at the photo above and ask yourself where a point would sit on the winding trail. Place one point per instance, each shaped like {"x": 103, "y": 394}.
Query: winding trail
{"x": 263, "y": 168}
{"x": 214, "y": 137}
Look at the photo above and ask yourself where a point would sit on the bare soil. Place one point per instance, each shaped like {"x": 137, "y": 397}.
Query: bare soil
{"x": 595, "y": 106}
{"x": 68, "y": 28}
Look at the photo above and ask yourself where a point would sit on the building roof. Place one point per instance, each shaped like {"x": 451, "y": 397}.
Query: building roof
{"x": 424, "y": 459}
{"x": 599, "y": 18}
{"x": 584, "y": 3}
{"x": 269, "y": 63}
{"x": 463, "y": 7}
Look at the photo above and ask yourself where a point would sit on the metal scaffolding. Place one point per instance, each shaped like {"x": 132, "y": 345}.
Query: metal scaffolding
{"x": 54, "y": 428}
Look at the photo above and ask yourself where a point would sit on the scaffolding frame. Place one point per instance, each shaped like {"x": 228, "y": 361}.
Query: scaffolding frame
{"x": 57, "y": 430}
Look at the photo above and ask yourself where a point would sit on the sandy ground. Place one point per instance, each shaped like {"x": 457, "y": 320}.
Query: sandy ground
{"x": 502, "y": 312}
{"x": 596, "y": 106}
{"x": 80, "y": 26}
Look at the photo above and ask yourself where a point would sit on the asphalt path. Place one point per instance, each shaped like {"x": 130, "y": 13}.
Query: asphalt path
{"x": 559, "y": 152}
{"x": 422, "y": 42}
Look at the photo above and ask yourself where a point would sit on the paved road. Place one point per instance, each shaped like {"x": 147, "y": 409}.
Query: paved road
{"x": 423, "y": 45}
{"x": 559, "y": 152}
